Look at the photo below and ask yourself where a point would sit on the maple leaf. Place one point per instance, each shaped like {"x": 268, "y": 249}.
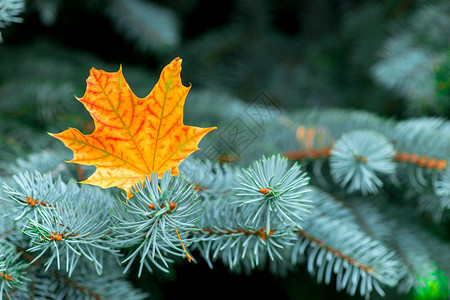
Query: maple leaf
{"x": 133, "y": 136}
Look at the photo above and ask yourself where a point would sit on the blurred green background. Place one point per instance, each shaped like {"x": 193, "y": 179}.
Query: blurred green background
{"x": 391, "y": 57}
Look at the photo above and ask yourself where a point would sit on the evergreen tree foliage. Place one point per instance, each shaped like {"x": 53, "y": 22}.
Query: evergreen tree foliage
{"x": 9, "y": 12}
{"x": 330, "y": 161}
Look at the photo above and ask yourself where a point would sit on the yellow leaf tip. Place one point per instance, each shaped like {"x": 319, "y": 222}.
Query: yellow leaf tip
{"x": 209, "y": 129}
{"x": 176, "y": 63}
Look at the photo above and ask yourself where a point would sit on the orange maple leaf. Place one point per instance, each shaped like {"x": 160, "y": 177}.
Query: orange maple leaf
{"x": 133, "y": 136}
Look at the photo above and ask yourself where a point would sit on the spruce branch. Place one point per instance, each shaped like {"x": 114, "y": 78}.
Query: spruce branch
{"x": 83, "y": 283}
{"x": 415, "y": 260}
{"x": 150, "y": 25}
{"x": 240, "y": 247}
{"x": 358, "y": 159}
{"x": 337, "y": 245}
{"x": 211, "y": 180}
{"x": 421, "y": 148}
{"x": 411, "y": 59}
{"x": 156, "y": 222}
{"x": 12, "y": 275}
{"x": 428, "y": 139}
{"x": 44, "y": 161}
{"x": 368, "y": 214}
{"x": 28, "y": 192}
{"x": 270, "y": 190}
{"x": 441, "y": 187}
{"x": 73, "y": 228}
{"x": 9, "y": 11}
